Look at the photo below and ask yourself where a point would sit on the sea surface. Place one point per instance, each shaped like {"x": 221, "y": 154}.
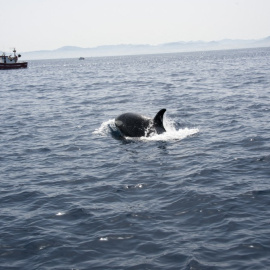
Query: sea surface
{"x": 75, "y": 196}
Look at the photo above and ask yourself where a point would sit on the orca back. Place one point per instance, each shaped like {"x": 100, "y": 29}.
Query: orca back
{"x": 136, "y": 125}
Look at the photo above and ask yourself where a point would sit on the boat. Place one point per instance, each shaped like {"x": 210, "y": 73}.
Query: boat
{"x": 11, "y": 62}
{"x": 81, "y": 58}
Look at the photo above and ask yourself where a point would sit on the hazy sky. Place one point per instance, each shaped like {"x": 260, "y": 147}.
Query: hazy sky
{"x": 49, "y": 24}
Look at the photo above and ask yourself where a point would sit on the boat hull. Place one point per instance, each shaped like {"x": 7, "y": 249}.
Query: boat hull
{"x": 13, "y": 65}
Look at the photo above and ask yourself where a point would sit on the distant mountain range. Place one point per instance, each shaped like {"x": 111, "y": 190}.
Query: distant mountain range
{"x": 129, "y": 49}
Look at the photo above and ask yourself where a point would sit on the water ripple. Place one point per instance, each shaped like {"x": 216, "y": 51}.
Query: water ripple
{"x": 74, "y": 196}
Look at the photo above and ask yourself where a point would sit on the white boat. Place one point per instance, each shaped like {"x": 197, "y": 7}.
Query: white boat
{"x": 11, "y": 62}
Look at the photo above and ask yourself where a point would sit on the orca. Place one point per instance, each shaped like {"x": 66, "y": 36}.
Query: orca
{"x": 136, "y": 125}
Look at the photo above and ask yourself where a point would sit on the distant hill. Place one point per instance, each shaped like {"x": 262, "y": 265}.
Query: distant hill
{"x": 130, "y": 49}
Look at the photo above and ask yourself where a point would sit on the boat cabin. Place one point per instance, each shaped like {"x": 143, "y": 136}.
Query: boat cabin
{"x": 9, "y": 59}
{"x": 11, "y": 62}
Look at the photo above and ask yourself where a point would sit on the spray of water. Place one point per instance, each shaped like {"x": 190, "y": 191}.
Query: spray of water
{"x": 172, "y": 133}
{"x": 105, "y": 128}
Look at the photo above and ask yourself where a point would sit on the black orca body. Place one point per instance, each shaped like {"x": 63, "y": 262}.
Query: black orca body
{"x": 136, "y": 125}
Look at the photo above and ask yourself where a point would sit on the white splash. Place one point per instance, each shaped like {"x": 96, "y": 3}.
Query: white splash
{"x": 108, "y": 127}
{"x": 104, "y": 129}
{"x": 171, "y": 132}
{"x": 60, "y": 214}
{"x": 103, "y": 239}
{"x": 170, "y": 135}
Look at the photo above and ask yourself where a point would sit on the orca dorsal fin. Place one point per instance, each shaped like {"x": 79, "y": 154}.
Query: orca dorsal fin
{"x": 158, "y": 119}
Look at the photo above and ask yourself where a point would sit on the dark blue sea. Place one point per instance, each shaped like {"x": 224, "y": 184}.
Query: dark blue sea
{"x": 74, "y": 196}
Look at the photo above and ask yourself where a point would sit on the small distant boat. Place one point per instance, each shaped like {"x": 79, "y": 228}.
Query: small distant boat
{"x": 81, "y": 58}
{"x": 11, "y": 62}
